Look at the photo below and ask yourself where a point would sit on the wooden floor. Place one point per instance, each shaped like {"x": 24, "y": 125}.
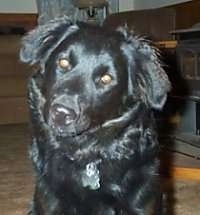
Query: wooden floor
{"x": 16, "y": 183}
{"x": 16, "y": 177}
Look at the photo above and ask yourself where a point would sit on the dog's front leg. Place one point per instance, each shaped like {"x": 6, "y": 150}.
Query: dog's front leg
{"x": 143, "y": 200}
{"x": 41, "y": 136}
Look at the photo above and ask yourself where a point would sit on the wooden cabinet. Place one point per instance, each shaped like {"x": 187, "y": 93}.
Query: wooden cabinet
{"x": 13, "y": 81}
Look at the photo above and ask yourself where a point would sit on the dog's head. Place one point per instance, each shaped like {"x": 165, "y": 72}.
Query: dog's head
{"x": 92, "y": 76}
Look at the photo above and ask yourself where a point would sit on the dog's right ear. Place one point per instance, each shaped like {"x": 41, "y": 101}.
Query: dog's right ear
{"x": 38, "y": 44}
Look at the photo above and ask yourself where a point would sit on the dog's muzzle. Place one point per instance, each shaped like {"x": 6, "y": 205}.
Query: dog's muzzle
{"x": 60, "y": 117}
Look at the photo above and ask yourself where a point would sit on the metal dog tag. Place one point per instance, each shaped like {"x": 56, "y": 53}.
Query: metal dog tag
{"x": 90, "y": 176}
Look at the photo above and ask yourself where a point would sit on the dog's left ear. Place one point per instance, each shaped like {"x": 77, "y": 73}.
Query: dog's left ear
{"x": 146, "y": 73}
{"x": 151, "y": 77}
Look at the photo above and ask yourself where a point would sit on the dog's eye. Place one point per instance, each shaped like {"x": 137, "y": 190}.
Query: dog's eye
{"x": 64, "y": 64}
{"x": 106, "y": 79}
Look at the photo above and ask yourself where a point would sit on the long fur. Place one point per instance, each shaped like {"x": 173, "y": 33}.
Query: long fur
{"x": 108, "y": 165}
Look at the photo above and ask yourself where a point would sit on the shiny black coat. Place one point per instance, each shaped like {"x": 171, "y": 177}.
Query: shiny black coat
{"x": 94, "y": 144}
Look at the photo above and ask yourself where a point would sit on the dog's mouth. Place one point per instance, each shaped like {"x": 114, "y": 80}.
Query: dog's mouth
{"x": 66, "y": 121}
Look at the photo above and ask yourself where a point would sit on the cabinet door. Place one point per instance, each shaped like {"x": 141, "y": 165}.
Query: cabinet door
{"x": 13, "y": 81}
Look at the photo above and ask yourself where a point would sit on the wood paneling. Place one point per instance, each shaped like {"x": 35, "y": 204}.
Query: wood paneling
{"x": 154, "y": 24}
{"x": 10, "y": 64}
{"x": 186, "y": 173}
{"x": 187, "y": 14}
{"x": 13, "y": 110}
{"x": 12, "y": 87}
{"x": 26, "y": 21}
{"x": 13, "y": 81}
{"x": 9, "y": 44}
{"x": 158, "y": 23}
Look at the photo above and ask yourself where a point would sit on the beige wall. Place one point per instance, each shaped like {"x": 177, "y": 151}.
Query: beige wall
{"x": 29, "y": 6}
{"x": 126, "y": 5}
{"x": 18, "y": 6}
{"x": 146, "y": 4}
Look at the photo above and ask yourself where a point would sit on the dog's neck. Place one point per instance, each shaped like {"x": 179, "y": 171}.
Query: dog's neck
{"x": 109, "y": 139}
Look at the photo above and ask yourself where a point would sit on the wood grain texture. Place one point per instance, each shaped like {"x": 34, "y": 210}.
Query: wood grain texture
{"x": 186, "y": 173}
{"x": 26, "y": 21}
{"x": 13, "y": 110}
{"x": 187, "y": 14}
{"x": 16, "y": 181}
{"x": 13, "y": 82}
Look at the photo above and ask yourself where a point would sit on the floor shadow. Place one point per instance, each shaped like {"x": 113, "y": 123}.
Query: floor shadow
{"x": 167, "y": 125}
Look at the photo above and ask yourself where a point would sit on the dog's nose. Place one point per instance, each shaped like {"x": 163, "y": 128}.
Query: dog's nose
{"x": 61, "y": 115}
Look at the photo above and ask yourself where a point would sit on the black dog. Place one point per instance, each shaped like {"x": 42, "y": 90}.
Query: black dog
{"x": 94, "y": 145}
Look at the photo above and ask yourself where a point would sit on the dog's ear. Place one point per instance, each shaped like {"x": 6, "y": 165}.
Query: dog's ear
{"x": 38, "y": 44}
{"x": 152, "y": 79}
{"x": 146, "y": 73}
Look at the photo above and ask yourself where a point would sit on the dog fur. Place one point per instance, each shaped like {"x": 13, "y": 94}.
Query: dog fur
{"x": 103, "y": 160}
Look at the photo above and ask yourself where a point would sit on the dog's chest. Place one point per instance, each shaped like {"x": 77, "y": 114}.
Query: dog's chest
{"x": 94, "y": 173}
{"x": 96, "y": 167}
